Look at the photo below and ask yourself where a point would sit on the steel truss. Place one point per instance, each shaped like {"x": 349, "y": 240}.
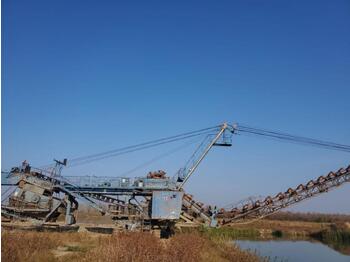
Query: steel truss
{"x": 269, "y": 205}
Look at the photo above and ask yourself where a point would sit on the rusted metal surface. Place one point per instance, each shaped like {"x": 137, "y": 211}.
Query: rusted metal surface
{"x": 271, "y": 204}
{"x": 37, "y": 198}
{"x": 160, "y": 174}
{"x": 194, "y": 212}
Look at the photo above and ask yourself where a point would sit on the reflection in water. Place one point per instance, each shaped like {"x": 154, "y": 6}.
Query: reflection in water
{"x": 336, "y": 239}
{"x": 293, "y": 251}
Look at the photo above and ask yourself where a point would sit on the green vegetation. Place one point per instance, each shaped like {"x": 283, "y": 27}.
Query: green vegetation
{"x": 229, "y": 233}
{"x": 335, "y": 235}
{"x": 338, "y": 239}
{"x": 277, "y": 233}
{"x": 77, "y": 248}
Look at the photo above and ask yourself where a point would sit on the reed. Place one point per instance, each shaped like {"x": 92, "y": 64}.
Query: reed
{"x": 333, "y": 236}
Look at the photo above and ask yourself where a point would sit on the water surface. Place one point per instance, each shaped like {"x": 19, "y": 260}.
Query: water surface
{"x": 293, "y": 251}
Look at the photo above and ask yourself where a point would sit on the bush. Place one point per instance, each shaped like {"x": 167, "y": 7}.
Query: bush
{"x": 277, "y": 233}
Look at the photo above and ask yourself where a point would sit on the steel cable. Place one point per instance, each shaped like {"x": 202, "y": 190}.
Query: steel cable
{"x": 170, "y": 152}
{"x": 131, "y": 149}
{"x": 128, "y": 149}
{"x": 293, "y": 138}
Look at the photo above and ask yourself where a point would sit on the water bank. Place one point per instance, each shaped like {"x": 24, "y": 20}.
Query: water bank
{"x": 335, "y": 236}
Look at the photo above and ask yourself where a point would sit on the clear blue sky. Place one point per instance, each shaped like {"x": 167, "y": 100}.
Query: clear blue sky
{"x": 81, "y": 77}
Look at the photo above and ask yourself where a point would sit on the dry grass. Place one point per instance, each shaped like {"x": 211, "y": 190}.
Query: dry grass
{"x": 191, "y": 247}
{"x": 266, "y": 227}
{"x": 180, "y": 248}
{"x": 310, "y": 217}
{"x": 126, "y": 247}
{"x": 32, "y": 246}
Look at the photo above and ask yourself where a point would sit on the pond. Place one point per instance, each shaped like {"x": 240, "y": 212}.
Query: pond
{"x": 293, "y": 251}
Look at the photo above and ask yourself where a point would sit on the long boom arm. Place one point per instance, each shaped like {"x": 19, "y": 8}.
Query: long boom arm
{"x": 251, "y": 210}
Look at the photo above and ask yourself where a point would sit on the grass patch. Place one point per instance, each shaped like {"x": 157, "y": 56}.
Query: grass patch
{"x": 338, "y": 239}
{"x": 228, "y": 233}
{"x": 77, "y": 248}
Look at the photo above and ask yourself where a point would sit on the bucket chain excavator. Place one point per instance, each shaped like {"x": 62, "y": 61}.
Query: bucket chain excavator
{"x": 152, "y": 201}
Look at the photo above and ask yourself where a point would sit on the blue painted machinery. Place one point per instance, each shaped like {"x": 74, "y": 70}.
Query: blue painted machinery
{"x": 142, "y": 202}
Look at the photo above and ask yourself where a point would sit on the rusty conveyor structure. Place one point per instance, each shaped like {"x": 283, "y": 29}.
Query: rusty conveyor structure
{"x": 192, "y": 212}
{"x": 260, "y": 208}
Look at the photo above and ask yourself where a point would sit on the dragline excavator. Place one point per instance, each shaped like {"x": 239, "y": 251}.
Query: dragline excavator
{"x": 155, "y": 200}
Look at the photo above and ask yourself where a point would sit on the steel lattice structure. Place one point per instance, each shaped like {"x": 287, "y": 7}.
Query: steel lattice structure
{"x": 269, "y": 205}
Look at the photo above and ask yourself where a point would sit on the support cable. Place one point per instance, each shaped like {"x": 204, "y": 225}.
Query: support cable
{"x": 293, "y": 138}
{"x": 132, "y": 149}
{"x": 129, "y": 149}
{"x": 170, "y": 152}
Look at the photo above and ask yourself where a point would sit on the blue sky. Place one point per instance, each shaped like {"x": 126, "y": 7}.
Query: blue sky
{"x": 81, "y": 77}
